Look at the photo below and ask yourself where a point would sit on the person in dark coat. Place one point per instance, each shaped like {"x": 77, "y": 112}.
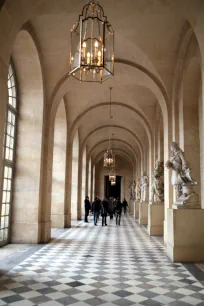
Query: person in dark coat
{"x": 99, "y": 205}
{"x": 125, "y": 205}
{"x": 104, "y": 211}
{"x": 118, "y": 211}
{"x": 96, "y": 209}
{"x": 114, "y": 205}
{"x": 87, "y": 207}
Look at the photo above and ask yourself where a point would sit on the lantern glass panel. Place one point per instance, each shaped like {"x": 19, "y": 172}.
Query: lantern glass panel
{"x": 109, "y": 48}
{"x": 75, "y": 47}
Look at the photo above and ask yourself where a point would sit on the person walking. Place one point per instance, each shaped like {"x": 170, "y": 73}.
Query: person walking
{"x": 87, "y": 207}
{"x": 125, "y": 205}
{"x": 118, "y": 211}
{"x": 104, "y": 211}
{"x": 96, "y": 209}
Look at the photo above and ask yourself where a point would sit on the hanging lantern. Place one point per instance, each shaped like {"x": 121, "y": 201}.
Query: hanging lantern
{"x": 92, "y": 45}
{"x": 109, "y": 159}
{"x": 112, "y": 176}
{"x": 113, "y": 183}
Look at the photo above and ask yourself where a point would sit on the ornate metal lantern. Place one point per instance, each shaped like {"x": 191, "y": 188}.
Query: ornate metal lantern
{"x": 112, "y": 176}
{"x": 113, "y": 183}
{"x": 92, "y": 45}
{"x": 109, "y": 158}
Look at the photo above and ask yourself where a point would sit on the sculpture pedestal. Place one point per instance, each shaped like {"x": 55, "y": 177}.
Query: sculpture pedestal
{"x": 156, "y": 219}
{"x": 143, "y": 213}
{"x": 185, "y": 240}
{"x": 131, "y": 207}
{"x": 136, "y": 212}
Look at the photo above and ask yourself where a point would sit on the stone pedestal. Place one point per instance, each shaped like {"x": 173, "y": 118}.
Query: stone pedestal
{"x": 143, "y": 213}
{"x": 185, "y": 239}
{"x": 156, "y": 219}
{"x": 136, "y": 211}
{"x": 131, "y": 207}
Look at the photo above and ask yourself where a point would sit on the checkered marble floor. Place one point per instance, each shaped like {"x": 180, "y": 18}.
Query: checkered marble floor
{"x": 109, "y": 266}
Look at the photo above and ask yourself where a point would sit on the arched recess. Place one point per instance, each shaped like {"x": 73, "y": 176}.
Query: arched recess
{"x": 74, "y": 180}
{"x": 140, "y": 147}
{"x": 189, "y": 119}
{"x": 83, "y": 185}
{"x": 58, "y": 173}
{"x": 124, "y": 169}
{"x": 26, "y": 196}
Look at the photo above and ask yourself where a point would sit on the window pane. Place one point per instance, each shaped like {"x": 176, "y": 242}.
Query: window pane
{"x": 5, "y": 234}
{"x": 7, "y": 154}
{"x": 4, "y": 198}
{"x": 7, "y": 209}
{"x": 6, "y": 169}
{"x": 10, "y": 92}
{"x": 5, "y": 184}
{"x": 13, "y": 91}
{"x": 1, "y": 235}
{"x": 10, "y": 155}
{"x": 3, "y": 211}
{"x": 8, "y": 197}
{"x": 12, "y": 81}
{"x": 14, "y": 102}
{"x": 11, "y": 143}
{"x": 9, "y": 185}
{"x": 8, "y": 141}
{"x": 6, "y": 220}
{"x": 2, "y": 222}
{"x": 10, "y": 173}
{"x": 12, "y": 130}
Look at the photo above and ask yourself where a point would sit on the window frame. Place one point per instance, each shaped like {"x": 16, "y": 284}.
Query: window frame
{"x": 6, "y": 162}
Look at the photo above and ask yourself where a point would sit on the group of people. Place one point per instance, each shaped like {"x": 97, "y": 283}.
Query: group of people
{"x": 112, "y": 207}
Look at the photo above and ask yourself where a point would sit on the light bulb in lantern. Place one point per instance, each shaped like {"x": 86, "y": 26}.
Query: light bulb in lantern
{"x": 99, "y": 58}
{"x": 88, "y": 58}
{"x": 95, "y": 48}
{"x": 84, "y": 49}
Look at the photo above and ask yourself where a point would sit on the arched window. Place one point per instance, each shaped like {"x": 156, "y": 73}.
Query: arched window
{"x": 9, "y": 156}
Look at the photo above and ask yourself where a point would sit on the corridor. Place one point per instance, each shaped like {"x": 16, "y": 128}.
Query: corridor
{"x": 107, "y": 266}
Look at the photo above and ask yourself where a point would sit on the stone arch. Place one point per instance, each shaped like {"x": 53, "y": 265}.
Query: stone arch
{"x": 124, "y": 169}
{"x": 134, "y": 158}
{"x": 141, "y": 149}
{"x": 29, "y": 141}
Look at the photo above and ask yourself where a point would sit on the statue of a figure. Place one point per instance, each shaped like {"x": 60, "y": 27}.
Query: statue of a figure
{"x": 181, "y": 171}
{"x": 157, "y": 191}
{"x": 181, "y": 178}
{"x": 138, "y": 190}
{"x": 144, "y": 188}
{"x": 132, "y": 186}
